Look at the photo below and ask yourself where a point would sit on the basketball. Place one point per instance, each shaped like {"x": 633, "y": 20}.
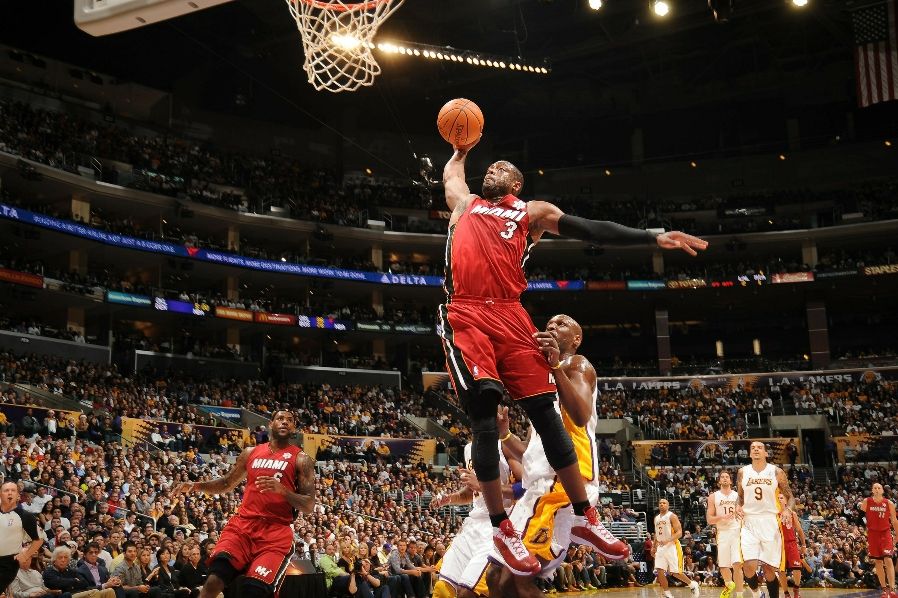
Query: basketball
{"x": 460, "y": 122}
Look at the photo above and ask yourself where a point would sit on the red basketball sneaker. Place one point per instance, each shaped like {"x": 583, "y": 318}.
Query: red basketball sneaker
{"x": 590, "y": 531}
{"x": 516, "y": 556}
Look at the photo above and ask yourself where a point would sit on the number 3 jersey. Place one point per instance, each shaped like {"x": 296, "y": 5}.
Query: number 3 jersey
{"x": 760, "y": 491}
{"x": 487, "y": 249}
{"x": 279, "y": 464}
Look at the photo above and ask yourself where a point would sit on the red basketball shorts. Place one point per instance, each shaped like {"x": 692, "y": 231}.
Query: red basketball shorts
{"x": 493, "y": 340}
{"x": 879, "y": 543}
{"x": 793, "y": 555}
{"x": 257, "y": 548}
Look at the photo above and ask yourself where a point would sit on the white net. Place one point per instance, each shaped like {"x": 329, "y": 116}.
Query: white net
{"x": 337, "y": 38}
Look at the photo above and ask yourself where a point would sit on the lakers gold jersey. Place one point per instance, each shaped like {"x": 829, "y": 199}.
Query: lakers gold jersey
{"x": 760, "y": 491}
{"x": 725, "y": 504}
{"x": 663, "y": 527}
{"x": 536, "y": 464}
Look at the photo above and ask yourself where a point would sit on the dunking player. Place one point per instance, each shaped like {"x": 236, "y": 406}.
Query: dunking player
{"x": 880, "y": 513}
{"x": 488, "y": 336}
{"x": 792, "y": 535}
{"x": 721, "y": 513}
{"x": 462, "y": 567}
{"x": 543, "y": 514}
{"x": 759, "y": 486}
{"x": 258, "y": 540}
{"x": 667, "y": 551}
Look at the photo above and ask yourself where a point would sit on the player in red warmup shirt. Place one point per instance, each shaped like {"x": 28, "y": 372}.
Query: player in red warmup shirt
{"x": 489, "y": 338}
{"x": 258, "y": 540}
{"x": 880, "y": 544}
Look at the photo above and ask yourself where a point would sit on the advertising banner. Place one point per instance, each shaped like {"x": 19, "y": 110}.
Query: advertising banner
{"x": 264, "y": 317}
{"x": 415, "y": 449}
{"x": 747, "y": 381}
{"x": 233, "y": 313}
{"x": 688, "y": 283}
{"x": 646, "y": 285}
{"x": 708, "y": 452}
{"x": 180, "y": 307}
{"x": 606, "y": 285}
{"x": 233, "y": 414}
{"x": 865, "y": 448}
{"x": 556, "y": 285}
{"x": 878, "y": 270}
{"x": 141, "y": 431}
{"x": 128, "y": 299}
{"x": 323, "y": 322}
{"x": 790, "y": 277}
{"x": 23, "y": 278}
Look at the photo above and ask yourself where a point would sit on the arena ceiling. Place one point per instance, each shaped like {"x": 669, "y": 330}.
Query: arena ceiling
{"x": 613, "y": 70}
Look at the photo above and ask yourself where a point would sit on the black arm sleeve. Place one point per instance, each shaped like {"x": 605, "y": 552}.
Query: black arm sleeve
{"x": 30, "y": 524}
{"x": 603, "y": 232}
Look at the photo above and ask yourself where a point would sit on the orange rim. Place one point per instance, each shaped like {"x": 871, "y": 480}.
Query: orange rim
{"x": 324, "y": 5}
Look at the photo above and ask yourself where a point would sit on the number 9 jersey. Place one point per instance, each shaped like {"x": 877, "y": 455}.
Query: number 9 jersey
{"x": 760, "y": 491}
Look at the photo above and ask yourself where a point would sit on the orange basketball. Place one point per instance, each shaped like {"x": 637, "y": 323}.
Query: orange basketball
{"x": 460, "y": 122}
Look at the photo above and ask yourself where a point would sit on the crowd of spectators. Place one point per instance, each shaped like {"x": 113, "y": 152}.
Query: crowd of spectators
{"x": 170, "y": 164}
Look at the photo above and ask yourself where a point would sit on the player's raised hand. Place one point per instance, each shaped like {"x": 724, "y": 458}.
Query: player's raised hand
{"x": 502, "y": 423}
{"x": 678, "y": 240}
{"x": 549, "y": 346}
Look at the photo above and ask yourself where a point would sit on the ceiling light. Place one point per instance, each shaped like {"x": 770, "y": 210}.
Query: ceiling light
{"x": 661, "y": 8}
{"x": 595, "y": 4}
{"x": 347, "y": 42}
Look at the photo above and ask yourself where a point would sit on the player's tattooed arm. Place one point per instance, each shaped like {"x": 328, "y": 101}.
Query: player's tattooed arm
{"x": 304, "y": 498}
{"x": 221, "y": 485}
{"x": 782, "y": 482}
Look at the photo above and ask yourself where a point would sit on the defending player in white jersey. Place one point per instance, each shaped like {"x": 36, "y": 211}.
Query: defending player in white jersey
{"x": 461, "y": 570}
{"x": 666, "y": 549}
{"x": 721, "y": 513}
{"x": 761, "y": 512}
{"x": 544, "y": 512}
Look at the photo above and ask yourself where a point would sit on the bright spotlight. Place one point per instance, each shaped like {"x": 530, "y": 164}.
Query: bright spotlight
{"x": 661, "y": 8}
{"x": 800, "y": 3}
{"x": 595, "y": 4}
{"x": 347, "y": 42}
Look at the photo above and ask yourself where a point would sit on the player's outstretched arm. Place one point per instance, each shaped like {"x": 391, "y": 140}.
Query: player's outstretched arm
{"x": 547, "y": 217}
{"x": 457, "y": 191}
{"x": 221, "y": 485}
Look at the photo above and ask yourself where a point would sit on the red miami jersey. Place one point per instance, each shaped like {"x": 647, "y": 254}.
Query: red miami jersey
{"x": 278, "y": 463}
{"x": 487, "y": 248}
{"x": 878, "y": 518}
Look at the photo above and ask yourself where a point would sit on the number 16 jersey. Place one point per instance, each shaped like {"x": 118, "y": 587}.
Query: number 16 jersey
{"x": 487, "y": 249}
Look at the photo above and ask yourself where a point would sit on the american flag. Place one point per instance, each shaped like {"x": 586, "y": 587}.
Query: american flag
{"x": 876, "y": 53}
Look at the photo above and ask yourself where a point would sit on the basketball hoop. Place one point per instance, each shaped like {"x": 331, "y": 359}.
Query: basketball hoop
{"x": 337, "y": 40}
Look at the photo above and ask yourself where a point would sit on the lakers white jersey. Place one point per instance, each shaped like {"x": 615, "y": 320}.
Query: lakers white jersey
{"x": 725, "y": 504}
{"x": 760, "y": 491}
{"x": 478, "y": 508}
{"x": 663, "y": 527}
{"x": 536, "y": 465}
